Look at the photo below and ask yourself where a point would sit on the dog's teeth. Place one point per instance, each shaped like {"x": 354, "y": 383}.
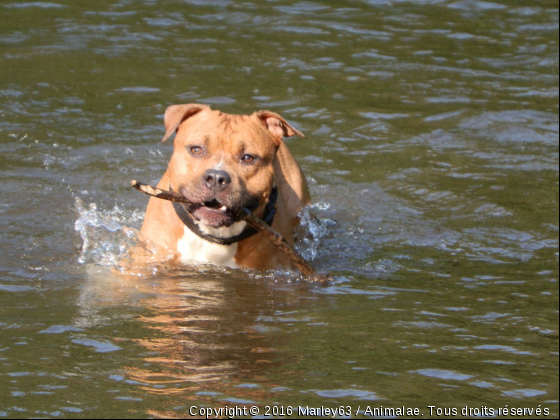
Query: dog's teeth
{"x": 223, "y": 208}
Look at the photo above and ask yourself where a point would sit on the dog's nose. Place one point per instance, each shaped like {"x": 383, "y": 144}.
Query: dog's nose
{"x": 217, "y": 180}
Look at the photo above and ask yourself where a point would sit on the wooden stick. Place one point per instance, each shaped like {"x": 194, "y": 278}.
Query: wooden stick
{"x": 159, "y": 193}
{"x": 252, "y": 220}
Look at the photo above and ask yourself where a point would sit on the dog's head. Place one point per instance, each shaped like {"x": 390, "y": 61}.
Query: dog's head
{"x": 223, "y": 163}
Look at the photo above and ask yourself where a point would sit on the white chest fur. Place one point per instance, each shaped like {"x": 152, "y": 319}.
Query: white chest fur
{"x": 192, "y": 248}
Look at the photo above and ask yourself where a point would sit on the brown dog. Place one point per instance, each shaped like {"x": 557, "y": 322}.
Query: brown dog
{"x": 225, "y": 163}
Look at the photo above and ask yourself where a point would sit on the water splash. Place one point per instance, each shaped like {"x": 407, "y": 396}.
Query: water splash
{"x": 108, "y": 239}
{"x": 311, "y": 229}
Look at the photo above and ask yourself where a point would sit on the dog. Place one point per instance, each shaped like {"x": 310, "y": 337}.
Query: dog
{"x": 223, "y": 163}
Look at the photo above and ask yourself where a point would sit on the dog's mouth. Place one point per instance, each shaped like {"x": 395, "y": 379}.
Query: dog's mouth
{"x": 217, "y": 211}
{"x": 213, "y": 206}
{"x": 214, "y": 213}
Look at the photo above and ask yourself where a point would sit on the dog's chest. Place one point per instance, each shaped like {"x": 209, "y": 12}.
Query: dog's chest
{"x": 193, "y": 249}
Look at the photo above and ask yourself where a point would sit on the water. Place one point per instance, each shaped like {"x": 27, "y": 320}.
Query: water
{"x": 432, "y": 153}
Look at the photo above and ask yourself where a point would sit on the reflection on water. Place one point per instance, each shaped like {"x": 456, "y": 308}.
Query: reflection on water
{"x": 432, "y": 153}
{"x": 198, "y": 334}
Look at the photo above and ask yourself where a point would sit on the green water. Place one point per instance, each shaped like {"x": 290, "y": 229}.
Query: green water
{"x": 432, "y": 134}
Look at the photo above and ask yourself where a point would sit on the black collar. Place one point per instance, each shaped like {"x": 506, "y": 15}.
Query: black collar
{"x": 189, "y": 222}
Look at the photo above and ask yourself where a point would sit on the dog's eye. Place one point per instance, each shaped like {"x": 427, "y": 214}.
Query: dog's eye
{"x": 248, "y": 158}
{"x": 196, "y": 151}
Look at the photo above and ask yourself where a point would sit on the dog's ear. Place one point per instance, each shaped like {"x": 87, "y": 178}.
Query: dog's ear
{"x": 176, "y": 114}
{"x": 277, "y": 125}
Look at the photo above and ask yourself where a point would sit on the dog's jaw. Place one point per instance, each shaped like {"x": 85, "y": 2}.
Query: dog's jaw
{"x": 214, "y": 218}
{"x": 216, "y": 211}
{"x": 223, "y": 232}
